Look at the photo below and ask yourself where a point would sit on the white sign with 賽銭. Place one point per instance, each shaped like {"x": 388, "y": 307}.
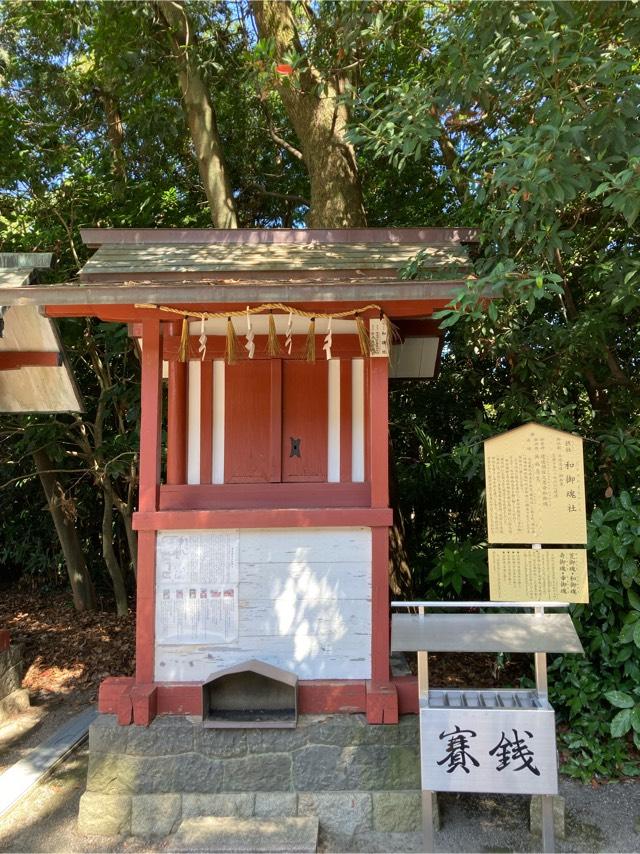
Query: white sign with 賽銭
{"x": 488, "y": 750}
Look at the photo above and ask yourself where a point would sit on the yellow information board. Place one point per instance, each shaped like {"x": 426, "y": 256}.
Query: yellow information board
{"x": 535, "y": 487}
{"x": 542, "y": 575}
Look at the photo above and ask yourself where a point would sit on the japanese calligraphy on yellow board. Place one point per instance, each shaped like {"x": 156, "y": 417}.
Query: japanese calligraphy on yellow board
{"x": 540, "y": 575}
{"x": 535, "y": 486}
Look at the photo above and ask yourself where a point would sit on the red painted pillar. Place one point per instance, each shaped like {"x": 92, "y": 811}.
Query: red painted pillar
{"x": 150, "y": 437}
{"x": 382, "y": 700}
{"x": 378, "y": 427}
{"x": 177, "y": 419}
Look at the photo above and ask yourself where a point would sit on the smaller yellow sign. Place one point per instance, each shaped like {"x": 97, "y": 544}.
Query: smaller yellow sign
{"x": 538, "y": 575}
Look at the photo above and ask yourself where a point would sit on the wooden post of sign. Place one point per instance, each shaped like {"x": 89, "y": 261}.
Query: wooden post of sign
{"x": 542, "y": 687}
{"x": 427, "y": 795}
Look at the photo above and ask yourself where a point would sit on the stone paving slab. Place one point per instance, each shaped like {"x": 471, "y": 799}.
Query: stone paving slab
{"x": 247, "y": 835}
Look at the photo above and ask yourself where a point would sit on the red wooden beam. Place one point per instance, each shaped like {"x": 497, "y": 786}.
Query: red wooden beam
{"x": 333, "y": 517}
{"x": 128, "y": 313}
{"x": 15, "y": 359}
{"x": 262, "y": 496}
{"x": 315, "y": 696}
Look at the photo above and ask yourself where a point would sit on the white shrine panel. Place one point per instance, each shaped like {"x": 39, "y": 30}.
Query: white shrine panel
{"x": 303, "y": 603}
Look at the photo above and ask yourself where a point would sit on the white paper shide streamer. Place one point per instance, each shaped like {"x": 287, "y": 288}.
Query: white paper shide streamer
{"x": 250, "y": 346}
{"x": 328, "y": 341}
{"x": 202, "y": 341}
{"x": 288, "y": 341}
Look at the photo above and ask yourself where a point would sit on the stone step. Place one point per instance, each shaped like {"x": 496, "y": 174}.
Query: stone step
{"x": 228, "y": 833}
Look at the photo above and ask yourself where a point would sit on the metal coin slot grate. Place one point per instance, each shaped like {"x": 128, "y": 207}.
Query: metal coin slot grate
{"x": 486, "y": 700}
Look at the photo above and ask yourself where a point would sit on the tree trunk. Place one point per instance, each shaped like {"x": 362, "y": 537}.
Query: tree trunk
{"x": 110, "y": 558}
{"x": 115, "y": 135}
{"x": 320, "y": 122}
{"x": 201, "y": 116}
{"x": 132, "y": 538}
{"x": 84, "y": 598}
{"x": 400, "y": 575}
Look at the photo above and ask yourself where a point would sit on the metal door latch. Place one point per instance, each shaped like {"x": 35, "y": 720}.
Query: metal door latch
{"x": 295, "y": 447}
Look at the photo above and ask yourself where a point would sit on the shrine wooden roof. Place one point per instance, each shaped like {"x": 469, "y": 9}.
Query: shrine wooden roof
{"x": 168, "y": 255}
{"x": 248, "y": 265}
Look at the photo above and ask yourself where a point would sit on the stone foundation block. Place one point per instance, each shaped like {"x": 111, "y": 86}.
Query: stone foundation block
{"x": 155, "y": 815}
{"x": 318, "y": 767}
{"x": 112, "y": 774}
{"x": 266, "y": 773}
{"x": 161, "y": 738}
{"x": 240, "y": 805}
{"x": 535, "y": 815}
{"x": 220, "y": 743}
{"x": 276, "y": 804}
{"x": 118, "y": 773}
{"x": 341, "y": 813}
{"x": 397, "y": 812}
{"x": 196, "y": 773}
{"x": 104, "y": 815}
{"x": 372, "y": 767}
{"x": 279, "y": 741}
{"x": 107, "y": 736}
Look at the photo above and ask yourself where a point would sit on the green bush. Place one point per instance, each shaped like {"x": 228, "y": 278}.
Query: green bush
{"x": 598, "y": 697}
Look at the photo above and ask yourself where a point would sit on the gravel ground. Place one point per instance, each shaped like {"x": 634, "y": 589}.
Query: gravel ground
{"x": 604, "y": 818}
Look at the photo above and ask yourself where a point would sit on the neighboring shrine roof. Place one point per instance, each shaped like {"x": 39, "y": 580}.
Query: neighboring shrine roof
{"x": 34, "y": 375}
{"x": 248, "y": 265}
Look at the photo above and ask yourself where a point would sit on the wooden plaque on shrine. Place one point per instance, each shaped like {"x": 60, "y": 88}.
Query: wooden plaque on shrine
{"x": 535, "y": 487}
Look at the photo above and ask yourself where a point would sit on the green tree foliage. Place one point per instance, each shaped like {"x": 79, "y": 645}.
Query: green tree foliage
{"x": 531, "y": 112}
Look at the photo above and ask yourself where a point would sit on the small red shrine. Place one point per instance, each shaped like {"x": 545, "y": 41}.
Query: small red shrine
{"x": 263, "y": 524}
